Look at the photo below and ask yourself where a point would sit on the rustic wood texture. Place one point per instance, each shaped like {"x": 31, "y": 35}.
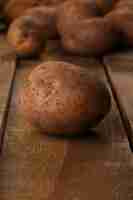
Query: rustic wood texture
{"x": 7, "y": 74}
{"x": 119, "y": 67}
{"x": 35, "y": 166}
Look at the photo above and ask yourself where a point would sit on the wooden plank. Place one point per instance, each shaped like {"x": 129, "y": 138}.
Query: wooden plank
{"x": 35, "y": 166}
{"x": 93, "y": 168}
{"x": 119, "y": 68}
{"x": 7, "y": 74}
{"x": 30, "y": 161}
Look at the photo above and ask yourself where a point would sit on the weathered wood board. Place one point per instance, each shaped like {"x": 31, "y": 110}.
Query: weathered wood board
{"x": 7, "y": 74}
{"x": 119, "y": 67}
{"x": 120, "y": 70}
{"x": 35, "y": 166}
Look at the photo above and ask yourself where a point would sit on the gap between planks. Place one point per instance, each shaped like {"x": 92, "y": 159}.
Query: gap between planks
{"x": 119, "y": 103}
{"x": 8, "y": 64}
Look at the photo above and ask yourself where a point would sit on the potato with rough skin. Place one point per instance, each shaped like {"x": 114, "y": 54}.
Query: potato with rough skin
{"x": 82, "y": 30}
{"x": 75, "y": 10}
{"x": 62, "y": 98}
{"x": 13, "y": 9}
{"x": 93, "y": 37}
{"x": 122, "y": 21}
{"x": 79, "y": 9}
{"x": 124, "y": 4}
{"x": 46, "y": 17}
{"x": 28, "y": 33}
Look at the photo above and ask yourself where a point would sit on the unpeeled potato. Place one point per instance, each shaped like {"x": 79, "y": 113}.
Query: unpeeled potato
{"x": 82, "y": 30}
{"x": 62, "y": 98}
{"x": 91, "y": 37}
{"x": 28, "y": 33}
{"x": 122, "y": 21}
{"x": 123, "y": 4}
{"x": 73, "y": 11}
{"x": 13, "y": 9}
{"x": 77, "y": 10}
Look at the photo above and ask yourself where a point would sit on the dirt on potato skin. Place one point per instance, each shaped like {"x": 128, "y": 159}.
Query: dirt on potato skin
{"x": 62, "y": 98}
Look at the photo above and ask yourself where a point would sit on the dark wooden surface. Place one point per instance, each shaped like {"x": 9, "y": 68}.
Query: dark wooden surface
{"x": 7, "y": 74}
{"x": 37, "y": 167}
{"x": 120, "y": 70}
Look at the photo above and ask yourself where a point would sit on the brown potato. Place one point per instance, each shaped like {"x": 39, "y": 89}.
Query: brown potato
{"x": 63, "y": 98}
{"x": 28, "y": 33}
{"x": 46, "y": 18}
{"x": 123, "y": 4}
{"x": 75, "y": 10}
{"x": 82, "y": 30}
{"x": 122, "y": 21}
{"x": 15, "y": 8}
{"x": 105, "y": 5}
{"x": 92, "y": 37}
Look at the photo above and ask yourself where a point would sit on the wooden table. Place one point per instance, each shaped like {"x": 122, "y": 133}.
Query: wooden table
{"x": 99, "y": 166}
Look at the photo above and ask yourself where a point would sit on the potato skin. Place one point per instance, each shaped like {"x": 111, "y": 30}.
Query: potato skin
{"x": 93, "y": 37}
{"x": 46, "y": 17}
{"x": 75, "y": 10}
{"x": 79, "y": 9}
{"x": 28, "y": 33}
{"x": 83, "y": 31}
{"x": 13, "y": 9}
{"x": 122, "y": 4}
{"x": 122, "y": 21}
{"x": 62, "y": 98}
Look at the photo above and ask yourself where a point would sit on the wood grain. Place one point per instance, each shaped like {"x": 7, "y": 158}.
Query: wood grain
{"x": 7, "y": 74}
{"x": 35, "y": 166}
{"x": 119, "y": 67}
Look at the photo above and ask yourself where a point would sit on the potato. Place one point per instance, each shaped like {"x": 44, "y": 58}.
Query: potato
{"x": 82, "y": 30}
{"x": 75, "y": 10}
{"x": 122, "y": 20}
{"x": 105, "y": 5}
{"x": 122, "y": 4}
{"x": 123, "y": 7}
{"x": 46, "y": 19}
{"x": 62, "y": 98}
{"x": 28, "y": 33}
{"x": 91, "y": 37}
{"x": 14, "y": 8}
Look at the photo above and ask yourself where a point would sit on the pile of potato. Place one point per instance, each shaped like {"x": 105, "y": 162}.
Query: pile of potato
{"x": 13, "y": 9}
{"x": 85, "y": 27}
{"x": 62, "y": 98}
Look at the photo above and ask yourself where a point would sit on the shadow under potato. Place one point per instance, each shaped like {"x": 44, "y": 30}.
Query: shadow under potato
{"x": 3, "y": 25}
{"x": 90, "y": 135}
